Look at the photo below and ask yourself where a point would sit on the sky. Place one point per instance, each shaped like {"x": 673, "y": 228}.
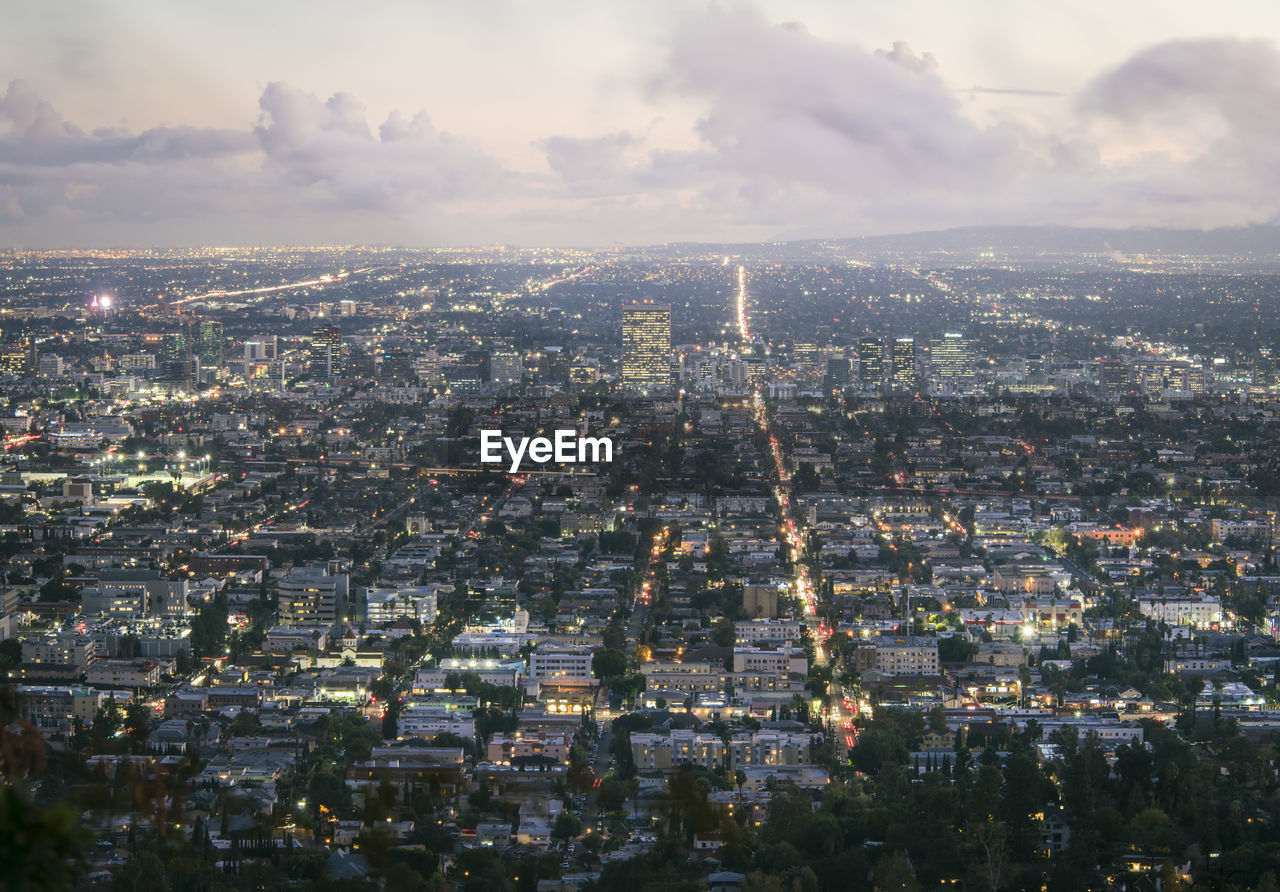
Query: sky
{"x": 596, "y": 123}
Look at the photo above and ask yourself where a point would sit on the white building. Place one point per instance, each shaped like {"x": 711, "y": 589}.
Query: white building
{"x": 561, "y": 662}
{"x": 1197, "y": 611}
{"x": 750, "y": 632}
{"x": 386, "y": 605}
{"x": 906, "y": 656}
{"x": 312, "y": 596}
{"x": 430, "y": 720}
{"x": 782, "y": 661}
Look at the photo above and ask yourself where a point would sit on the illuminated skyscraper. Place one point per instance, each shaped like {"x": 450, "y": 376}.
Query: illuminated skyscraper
{"x": 326, "y": 352}
{"x": 177, "y": 362}
{"x": 17, "y": 359}
{"x": 871, "y": 361}
{"x": 646, "y": 347}
{"x": 904, "y": 362}
{"x": 807, "y": 355}
{"x": 209, "y": 344}
{"x": 953, "y": 358}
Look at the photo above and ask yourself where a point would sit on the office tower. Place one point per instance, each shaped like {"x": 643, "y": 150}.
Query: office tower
{"x": 734, "y": 373}
{"x": 506, "y": 367}
{"x": 347, "y": 307}
{"x": 15, "y": 359}
{"x": 51, "y": 366}
{"x": 260, "y": 349}
{"x": 839, "y": 374}
{"x": 904, "y": 362}
{"x": 359, "y": 363}
{"x": 871, "y": 362}
{"x": 953, "y": 358}
{"x": 312, "y": 596}
{"x": 177, "y": 364}
{"x": 326, "y": 352}
{"x": 470, "y": 373}
{"x": 1114, "y": 377}
{"x": 396, "y": 365}
{"x": 209, "y": 345}
{"x": 553, "y": 365}
{"x": 646, "y": 347}
{"x": 806, "y": 354}
{"x": 1264, "y": 369}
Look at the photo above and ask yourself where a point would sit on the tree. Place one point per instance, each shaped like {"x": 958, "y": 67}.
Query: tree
{"x": 988, "y": 840}
{"x": 608, "y": 663}
{"x": 137, "y": 724}
{"x": 723, "y": 633}
{"x": 40, "y": 848}
{"x": 143, "y": 872}
{"x": 209, "y": 629}
{"x": 566, "y": 827}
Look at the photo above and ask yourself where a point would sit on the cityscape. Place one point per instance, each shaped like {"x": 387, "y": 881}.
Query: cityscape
{"x": 945, "y": 574}
{"x": 701, "y": 450}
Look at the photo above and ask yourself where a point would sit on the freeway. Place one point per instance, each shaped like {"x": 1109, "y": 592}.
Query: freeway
{"x": 327, "y": 279}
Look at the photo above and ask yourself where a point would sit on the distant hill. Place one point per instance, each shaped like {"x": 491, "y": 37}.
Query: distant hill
{"x": 1252, "y": 244}
{"x": 1247, "y": 240}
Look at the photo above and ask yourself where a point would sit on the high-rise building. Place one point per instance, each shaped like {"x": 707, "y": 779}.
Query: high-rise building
{"x": 176, "y": 359}
{"x": 806, "y": 354}
{"x": 312, "y": 596}
{"x": 506, "y": 367}
{"x": 1114, "y": 377}
{"x": 904, "y": 362}
{"x": 396, "y": 365}
{"x": 871, "y": 362}
{"x": 209, "y": 343}
{"x": 326, "y": 352}
{"x": 953, "y": 358}
{"x": 839, "y": 374}
{"x": 646, "y": 347}
{"x": 15, "y": 359}
{"x": 553, "y": 365}
{"x": 470, "y": 373}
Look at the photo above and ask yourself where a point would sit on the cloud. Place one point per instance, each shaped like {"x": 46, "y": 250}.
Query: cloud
{"x": 808, "y": 137}
{"x": 791, "y": 134}
{"x": 591, "y": 159}
{"x": 304, "y": 156}
{"x": 903, "y": 55}
{"x": 326, "y": 147}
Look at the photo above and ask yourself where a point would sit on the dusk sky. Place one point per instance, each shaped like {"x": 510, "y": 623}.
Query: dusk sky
{"x": 553, "y": 123}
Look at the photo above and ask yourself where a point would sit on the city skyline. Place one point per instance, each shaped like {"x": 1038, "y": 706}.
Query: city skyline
{"x": 429, "y": 125}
